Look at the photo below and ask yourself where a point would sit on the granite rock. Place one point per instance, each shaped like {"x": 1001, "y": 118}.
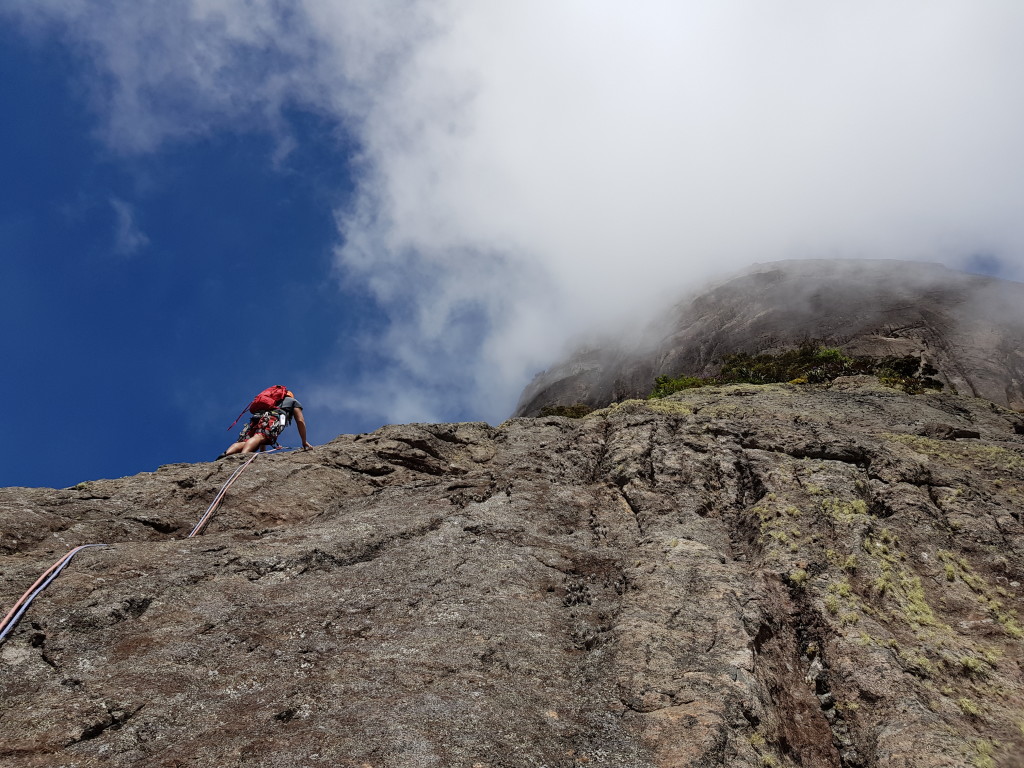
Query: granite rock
{"x": 751, "y": 576}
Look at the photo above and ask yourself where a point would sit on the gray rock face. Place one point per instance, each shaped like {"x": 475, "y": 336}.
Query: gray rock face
{"x": 971, "y": 328}
{"x": 738, "y": 576}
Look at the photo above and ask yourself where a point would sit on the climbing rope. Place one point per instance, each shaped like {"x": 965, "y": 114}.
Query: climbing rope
{"x": 15, "y": 614}
{"x": 219, "y": 497}
{"x": 224, "y": 489}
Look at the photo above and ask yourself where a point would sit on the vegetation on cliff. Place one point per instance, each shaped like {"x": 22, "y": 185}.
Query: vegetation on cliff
{"x": 809, "y": 363}
{"x": 575, "y": 411}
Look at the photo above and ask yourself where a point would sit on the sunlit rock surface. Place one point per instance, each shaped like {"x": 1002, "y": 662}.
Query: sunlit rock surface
{"x": 738, "y": 576}
{"x": 969, "y": 327}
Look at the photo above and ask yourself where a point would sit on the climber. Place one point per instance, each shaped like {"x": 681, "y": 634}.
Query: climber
{"x": 264, "y": 426}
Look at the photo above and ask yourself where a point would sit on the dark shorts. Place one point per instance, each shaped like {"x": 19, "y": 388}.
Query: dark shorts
{"x": 268, "y": 424}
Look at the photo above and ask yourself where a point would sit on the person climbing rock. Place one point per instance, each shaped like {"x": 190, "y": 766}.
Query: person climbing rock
{"x": 272, "y": 410}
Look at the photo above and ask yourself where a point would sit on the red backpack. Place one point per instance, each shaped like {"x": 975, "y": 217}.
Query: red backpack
{"x": 265, "y": 401}
{"x": 268, "y": 399}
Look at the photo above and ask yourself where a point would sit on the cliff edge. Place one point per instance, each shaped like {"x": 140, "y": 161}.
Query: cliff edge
{"x": 776, "y": 575}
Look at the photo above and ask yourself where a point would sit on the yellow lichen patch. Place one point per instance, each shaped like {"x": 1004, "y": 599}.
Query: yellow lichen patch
{"x": 991, "y": 655}
{"x": 663, "y": 407}
{"x": 846, "y": 563}
{"x": 992, "y": 457}
{"x": 626, "y": 406}
{"x": 843, "y": 603}
{"x": 847, "y": 512}
{"x": 668, "y": 407}
{"x": 916, "y": 607}
{"x": 776, "y": 522}
{"x": 721, "y": 409}
{"x": 842, "y": 589}
{"x": 957, "y": 568}
{"x": 779, "y": 536}
{"x": 983, "y": 754}
{"x": 897, "y": 583}
{"x": 973, "y": 666}
{"x": 969, "y": 707}
{"x": 917, "y": 663}
{"x": 798, "y": 577}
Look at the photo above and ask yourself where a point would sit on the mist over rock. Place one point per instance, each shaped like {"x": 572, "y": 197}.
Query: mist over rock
{"x": 776, "y": 575}
{"x": 969, "y": 327}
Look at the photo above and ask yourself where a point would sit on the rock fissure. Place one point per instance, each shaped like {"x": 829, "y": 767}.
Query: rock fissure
{"x": 114, "y": 719}
{"x": 38, "y": 640}
{"x": 157, "y": 525}
{"x": 847, "y": 454}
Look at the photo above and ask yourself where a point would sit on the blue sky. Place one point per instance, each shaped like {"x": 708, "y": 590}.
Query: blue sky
{"x": 148, "y": 297}
{"x": 403, "y": 210}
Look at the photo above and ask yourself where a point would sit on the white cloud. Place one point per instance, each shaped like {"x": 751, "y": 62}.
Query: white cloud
{"x": 537, "y": 169}
{"x": 128, "y": 238}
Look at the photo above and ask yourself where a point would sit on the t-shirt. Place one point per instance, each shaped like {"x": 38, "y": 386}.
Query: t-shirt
{"x": 288, "y": 405}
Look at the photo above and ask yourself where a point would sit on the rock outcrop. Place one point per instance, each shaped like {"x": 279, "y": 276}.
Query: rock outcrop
{"x": 969, "y": 327}
{"x": 742, "y": 576}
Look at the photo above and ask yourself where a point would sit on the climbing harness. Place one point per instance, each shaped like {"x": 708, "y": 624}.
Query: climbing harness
{"x": 12, "y": 617}
{"x": 15, "y": 614}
